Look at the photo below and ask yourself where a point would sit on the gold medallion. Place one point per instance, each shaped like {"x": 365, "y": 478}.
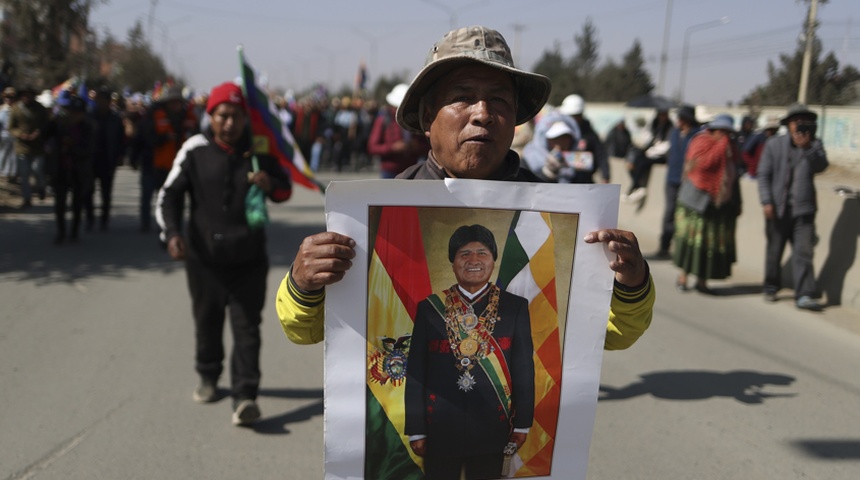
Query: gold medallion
{"x": 468, "y": 347}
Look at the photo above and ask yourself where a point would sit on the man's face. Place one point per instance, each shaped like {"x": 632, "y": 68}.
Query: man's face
{"x": 471, "y": 121}
{"x": 228, "y": 121}
{"x": 800, "y": 138}
{"x": 473, "y": 265}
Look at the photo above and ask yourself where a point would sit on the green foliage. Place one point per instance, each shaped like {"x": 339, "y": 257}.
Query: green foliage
{"x": 141, "y": 67}
{"x": 828, "y": 83}
{"x": 44, "y": 33}
{"x": 582, "y": 74}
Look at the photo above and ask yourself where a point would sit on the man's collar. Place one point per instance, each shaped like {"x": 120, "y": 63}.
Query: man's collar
{"x": 472, "y": 296}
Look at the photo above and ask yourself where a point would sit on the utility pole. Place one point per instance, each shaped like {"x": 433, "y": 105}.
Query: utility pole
{"x": 518, "y": 29}
{"x": 663, "y": 55}
{"x": 811, "y": 24}
{"x": 152, "y": 4}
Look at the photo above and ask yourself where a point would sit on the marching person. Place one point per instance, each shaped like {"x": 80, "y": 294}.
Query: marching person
{"x": 225, "y": 257}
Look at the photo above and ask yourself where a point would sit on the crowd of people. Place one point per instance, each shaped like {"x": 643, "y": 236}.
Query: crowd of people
{"x": 70, "y": 145}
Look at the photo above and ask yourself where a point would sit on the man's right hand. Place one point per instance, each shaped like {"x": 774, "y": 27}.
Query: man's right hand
{"x": 176, "y": 247}
{"x": 322, "y": 260}
{"x": 769, "y": 211}
{"x": 419, "y": 446}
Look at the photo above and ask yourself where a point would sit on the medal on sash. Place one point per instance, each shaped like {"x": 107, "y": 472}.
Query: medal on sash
{"x": 468, "y": 332}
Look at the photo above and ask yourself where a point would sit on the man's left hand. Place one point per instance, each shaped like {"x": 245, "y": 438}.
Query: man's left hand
{"x": 629, "y": 266}
{"x": 518, "y": 438}
{"x": 262, "y": 180}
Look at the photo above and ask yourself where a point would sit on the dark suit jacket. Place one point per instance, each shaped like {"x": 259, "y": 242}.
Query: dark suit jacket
{"x": 459, "y": 423}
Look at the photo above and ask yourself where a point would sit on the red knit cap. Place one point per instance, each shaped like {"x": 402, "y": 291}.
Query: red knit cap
{"x": 227, "y": 92}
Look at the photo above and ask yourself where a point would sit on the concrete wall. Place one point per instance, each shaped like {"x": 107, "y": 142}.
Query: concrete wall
{"x": 839, "y": 127}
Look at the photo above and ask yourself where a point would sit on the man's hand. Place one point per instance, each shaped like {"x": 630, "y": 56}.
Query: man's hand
{"x": 176, "y": 247}
{"x": 322, "y": 260}
{"x": 629, "y": 266}
{"x": 518, "y": 438}
{"x": 262, "y": 180}
{"x": 769, "y": 211}
{"x": 419, "y": 446}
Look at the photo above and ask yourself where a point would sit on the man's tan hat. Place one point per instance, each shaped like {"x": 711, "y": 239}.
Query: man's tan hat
{"x": 470, "y": 45}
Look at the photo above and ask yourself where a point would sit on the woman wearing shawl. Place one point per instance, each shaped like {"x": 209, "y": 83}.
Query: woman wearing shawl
{"x": 705, "y": 237}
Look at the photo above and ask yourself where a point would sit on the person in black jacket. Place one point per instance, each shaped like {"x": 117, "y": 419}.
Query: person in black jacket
{"x": 470, "y": 386}
{"x": 225, "y": 258}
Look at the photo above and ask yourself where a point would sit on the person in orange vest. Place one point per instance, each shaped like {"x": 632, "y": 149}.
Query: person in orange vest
{"x": 168, "y": 125}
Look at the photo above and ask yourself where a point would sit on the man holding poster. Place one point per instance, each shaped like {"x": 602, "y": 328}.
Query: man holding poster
{"x": 467, "y": 100}
{"x": 470, "y": 377}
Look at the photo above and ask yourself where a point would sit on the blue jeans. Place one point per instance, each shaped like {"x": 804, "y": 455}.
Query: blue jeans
{"x": 31, "y": 165}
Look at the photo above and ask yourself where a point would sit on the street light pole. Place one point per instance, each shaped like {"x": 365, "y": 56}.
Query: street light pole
{"x": 373, "y": 44}
{"x": 687, "y": 33}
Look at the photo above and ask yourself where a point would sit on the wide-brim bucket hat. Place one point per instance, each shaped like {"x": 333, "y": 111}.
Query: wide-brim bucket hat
{"x": 467, "y": 46}
{"x": 796, "y": 110}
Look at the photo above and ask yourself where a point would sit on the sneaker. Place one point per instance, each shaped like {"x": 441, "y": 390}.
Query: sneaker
{"x": 807, "y": 303}
{"x": 637, "y": 194}
{"x": 245, "y": 412}
{"x": 206, "y": 391}
{"x": 770, "y": 297}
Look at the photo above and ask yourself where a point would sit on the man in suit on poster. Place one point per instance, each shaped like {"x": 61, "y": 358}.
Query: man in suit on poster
{"x": 470, "y": 370}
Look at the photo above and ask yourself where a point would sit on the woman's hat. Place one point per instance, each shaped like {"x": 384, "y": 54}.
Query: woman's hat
{"x": 472, "y": 45}
{"x": 722, "y": 121}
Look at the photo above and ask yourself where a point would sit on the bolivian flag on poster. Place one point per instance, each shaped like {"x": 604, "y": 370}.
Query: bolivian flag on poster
{"x": 398, "y": 279}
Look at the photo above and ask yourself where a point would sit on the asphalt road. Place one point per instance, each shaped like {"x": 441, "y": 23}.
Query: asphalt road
{"x": 96, "y": 371}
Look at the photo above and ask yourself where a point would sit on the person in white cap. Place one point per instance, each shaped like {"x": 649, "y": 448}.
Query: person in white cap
{"x": 397, "y": 148}
{"x": 589, "y": 141}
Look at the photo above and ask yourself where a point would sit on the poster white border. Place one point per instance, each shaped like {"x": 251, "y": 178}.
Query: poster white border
{"x": 347, "y": 206}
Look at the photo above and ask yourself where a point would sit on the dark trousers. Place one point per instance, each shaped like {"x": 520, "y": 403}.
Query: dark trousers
{"x": 668, "y": 231}
{"x": 151, "y": 181}
{"x": 800, "y": 231}
{"x": 477, "y": 467}
{"x": 64, "y": 183}
{"x": 241, "y": 290}
{"x": 105, "y": 180}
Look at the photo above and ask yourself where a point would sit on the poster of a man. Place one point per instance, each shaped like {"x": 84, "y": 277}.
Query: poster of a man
{"x": 463, "y": 319}
{"x": 470, "y": 372}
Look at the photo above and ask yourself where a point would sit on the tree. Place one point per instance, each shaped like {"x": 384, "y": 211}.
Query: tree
{"x": 583, "y": 65}
{"x": 827, "y": 82}
{"x": 140, "y": 67}
{"x": 553, "y": 66}
{"x": 621, "y": 82}
{"x": 50, "y": 37}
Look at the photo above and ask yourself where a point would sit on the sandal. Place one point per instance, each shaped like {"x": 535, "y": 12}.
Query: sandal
{"x": 681, "y": 285}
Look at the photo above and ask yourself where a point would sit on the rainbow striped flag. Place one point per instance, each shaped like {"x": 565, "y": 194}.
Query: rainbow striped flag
{"x": 527, "y": 269}
{"x": 270, "y": 135}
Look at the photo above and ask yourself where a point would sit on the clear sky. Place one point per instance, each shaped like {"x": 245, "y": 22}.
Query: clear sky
{"x": 296, "y": 43}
